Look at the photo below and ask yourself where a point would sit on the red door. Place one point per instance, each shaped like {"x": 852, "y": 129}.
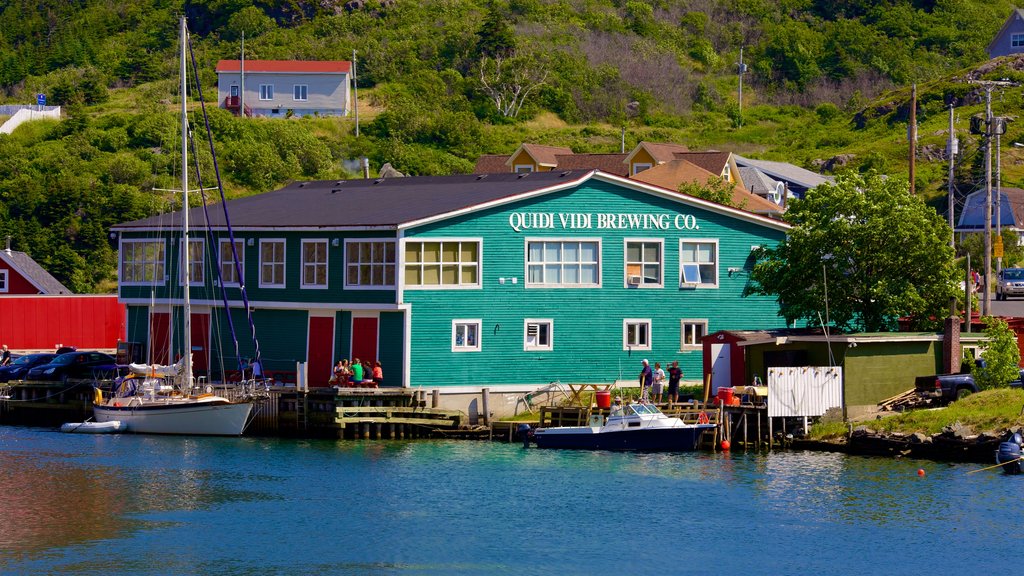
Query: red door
{"x": 321, "y": 347}
{"x": 159, "y": 334}
{"x": 200, "y": 343}
{"x": 364, "y": 339}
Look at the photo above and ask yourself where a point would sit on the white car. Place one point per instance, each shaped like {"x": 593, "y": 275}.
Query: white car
{"x": 1010, "y": 283}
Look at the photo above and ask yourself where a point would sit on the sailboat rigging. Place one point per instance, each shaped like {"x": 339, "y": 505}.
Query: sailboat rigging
{"x": 162, "y": 399}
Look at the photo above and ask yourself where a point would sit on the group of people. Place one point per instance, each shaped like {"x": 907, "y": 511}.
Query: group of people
{"x": 652, "y": 382}
{"x": 357, "y": 374}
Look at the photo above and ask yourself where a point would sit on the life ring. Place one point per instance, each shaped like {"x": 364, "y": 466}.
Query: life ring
{"x": 702, "y": 418}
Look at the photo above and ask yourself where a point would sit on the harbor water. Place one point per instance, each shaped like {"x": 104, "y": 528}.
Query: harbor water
{"x": 123, "y": 504}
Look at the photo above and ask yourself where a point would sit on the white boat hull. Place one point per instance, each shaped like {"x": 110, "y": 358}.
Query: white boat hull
{"x": 198, "y": 418}
{"x": 108, "y": 427}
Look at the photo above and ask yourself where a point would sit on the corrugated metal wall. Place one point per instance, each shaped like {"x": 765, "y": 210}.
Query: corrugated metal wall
{"x": 804, "y": 391}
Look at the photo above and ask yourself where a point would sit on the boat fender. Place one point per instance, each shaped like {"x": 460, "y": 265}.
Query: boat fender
{"x": 702, "y": 418}
{"x": 97, "y": 396}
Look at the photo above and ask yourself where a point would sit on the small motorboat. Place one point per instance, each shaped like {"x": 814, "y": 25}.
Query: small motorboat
{"x": 1009, "y": 453}
{"x": 111, "y": 427}
{"x": 638, "y": 426}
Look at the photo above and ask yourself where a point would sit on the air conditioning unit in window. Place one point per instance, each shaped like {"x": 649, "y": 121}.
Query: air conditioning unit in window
{"x": 633, "y": 280}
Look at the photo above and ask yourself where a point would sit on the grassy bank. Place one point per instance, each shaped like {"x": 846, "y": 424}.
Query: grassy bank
{"x": 988, "y": 411}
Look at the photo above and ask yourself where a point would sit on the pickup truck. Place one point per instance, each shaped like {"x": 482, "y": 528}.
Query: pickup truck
{"x": 946, "y": 387}
{"x": 949, "y": 387}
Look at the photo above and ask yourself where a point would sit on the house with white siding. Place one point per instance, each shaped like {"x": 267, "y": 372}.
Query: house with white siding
{"x": 284, "y": 88}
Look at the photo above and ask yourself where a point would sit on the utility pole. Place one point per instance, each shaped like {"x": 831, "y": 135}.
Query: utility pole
{"x": 999, "y": 205}
{"x": 912, "y": 135}
{"x": 741, "y": 69}
{"x": 355, "y": 92}
{"x": 952, "y": 148}
{"x": 241, "y": 69}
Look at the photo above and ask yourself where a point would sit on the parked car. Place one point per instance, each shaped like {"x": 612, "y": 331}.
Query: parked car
{"x": 82, "y": 365}
{"x": 1010, "y": 282}
{"x": 17, "y": 369}
{"x": 946, "y": 387}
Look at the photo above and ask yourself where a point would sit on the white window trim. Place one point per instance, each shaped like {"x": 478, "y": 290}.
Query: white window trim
{"x": 479, "y": 335}
{"x": 305, "y": 89}
{"x": 181, "y": 261}
{"x": 284, "y": 263}
{"x": 527, "y": 168}
{"x": 1017, "y": 40}
{"x": 718, "y": 259}
{"x": 399, "y": 267}
{"x": 639, "y": 167}
{"x": 327, "y": 269}
{"x": 683, "y": 346}
{"x": 625, "y": 333}
{"x": 266, "y": 92}
{"x": 421, "y": 239}
{"x": 4, "y": 285}
{"x": 120, "y": 264}
{"x": 241, "y": 255}
{"x": 661, "y": 265}
{"x": 526, "y": 263}
{"x": 551, "y": 333}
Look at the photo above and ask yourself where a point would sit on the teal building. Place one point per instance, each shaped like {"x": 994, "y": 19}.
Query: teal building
{"x": 509, "y": 281}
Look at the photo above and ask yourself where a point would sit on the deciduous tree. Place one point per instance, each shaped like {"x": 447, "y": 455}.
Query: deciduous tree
{"x": 882, "y": 252}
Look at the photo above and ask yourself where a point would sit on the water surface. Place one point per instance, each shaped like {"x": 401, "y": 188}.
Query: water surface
{"x": 123, "y": 504}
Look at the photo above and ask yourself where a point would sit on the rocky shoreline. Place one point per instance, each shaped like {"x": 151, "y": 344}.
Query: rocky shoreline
{"x": 956, "y": 443}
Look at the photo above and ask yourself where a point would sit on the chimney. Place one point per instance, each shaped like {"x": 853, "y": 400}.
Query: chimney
{"x": 951, "y": 354}
{"x": 8, "y": 249}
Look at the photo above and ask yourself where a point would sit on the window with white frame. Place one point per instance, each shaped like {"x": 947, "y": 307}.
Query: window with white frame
{"x": 370, "y": 263}
{"x": 466, "y": 335}
{"x": 691, "y": 332}
{"x": 3, "y": 281}
{"x": 643, "y": 263}
{"x": 446, "y": 263}
{"x": 196, "y": 260}
{"x": 727, "y": 174}
{"x": 142, "y": 262}
{"x": 266, "y": 91}
{"x": 314, "y": 263}
{"x": 636, "y": 334}
{"x": 699, "y": 263}
{"x": 272, "y": 263}
{"x": 538, "y": 334}
{"x": 523, "y": 168}
{"x": 563, "y": 263}
{"x": 299, "y": 92}
{"x": 228, "y": 270}
{"x": 1017, "y": 40}
{"x": 640, "y": 167}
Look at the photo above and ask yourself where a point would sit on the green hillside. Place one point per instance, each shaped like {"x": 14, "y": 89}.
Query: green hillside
{"x": 827, "y": 83}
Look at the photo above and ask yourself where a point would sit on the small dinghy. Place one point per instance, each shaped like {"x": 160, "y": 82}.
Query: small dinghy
{"x": 112, "y": 427}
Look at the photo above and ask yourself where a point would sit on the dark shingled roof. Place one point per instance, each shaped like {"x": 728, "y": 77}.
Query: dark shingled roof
{"x": 33, "y": 272}
{"x": 492, "y": 164}
{"x": 379, "y": 203}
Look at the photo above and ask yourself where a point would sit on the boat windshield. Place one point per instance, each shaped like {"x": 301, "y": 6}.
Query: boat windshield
{"x": 641, "y": 409}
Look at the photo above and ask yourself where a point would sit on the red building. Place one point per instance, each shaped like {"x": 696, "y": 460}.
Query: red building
{"x": 37, "y": 312}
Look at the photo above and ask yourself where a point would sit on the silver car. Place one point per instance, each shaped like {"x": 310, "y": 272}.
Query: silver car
{"x": 1011, "y": 283}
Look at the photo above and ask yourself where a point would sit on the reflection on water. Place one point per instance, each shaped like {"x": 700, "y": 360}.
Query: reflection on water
{"x": 269, "y": 506}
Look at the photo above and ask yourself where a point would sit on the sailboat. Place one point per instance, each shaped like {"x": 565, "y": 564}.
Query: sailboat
{"x": 157, "y": 399}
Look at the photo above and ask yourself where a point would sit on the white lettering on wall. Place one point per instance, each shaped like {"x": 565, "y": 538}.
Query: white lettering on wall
{"x": 520, "y": 221}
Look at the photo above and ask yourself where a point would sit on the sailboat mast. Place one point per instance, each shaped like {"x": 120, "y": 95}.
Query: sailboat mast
{"x": 186, "y": 257}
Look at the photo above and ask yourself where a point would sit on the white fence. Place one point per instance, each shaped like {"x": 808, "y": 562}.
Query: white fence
{"x": 26, "y": 114}
{"x": 804, "y": 390}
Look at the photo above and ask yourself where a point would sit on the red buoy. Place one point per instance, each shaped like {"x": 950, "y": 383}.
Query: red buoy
{"x": 920, "y": 472}
{"x": 725, "y": 445}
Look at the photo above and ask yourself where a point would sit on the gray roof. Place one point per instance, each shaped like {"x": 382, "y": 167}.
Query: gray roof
{"x": 24, "y": 264}
{"x": 785, "y": 171}
{"x": 382, "y": 203}
{"x": 756, "y": 181}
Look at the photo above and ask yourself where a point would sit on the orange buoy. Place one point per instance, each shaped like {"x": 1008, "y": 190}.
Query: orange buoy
{"x": 920, "y": 472}
{"x": 725, "y": 445}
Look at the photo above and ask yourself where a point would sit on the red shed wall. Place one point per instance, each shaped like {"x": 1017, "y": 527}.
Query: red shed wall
{"x": 16, "y": 283}
{"x": 41, "y": 322}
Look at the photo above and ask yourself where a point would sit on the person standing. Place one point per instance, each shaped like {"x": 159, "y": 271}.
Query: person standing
{"x": 675, "y": 375}
{"x": 378, "y": 374}
{"x": 659, "y": 382}
{"x": 646, "y": 380}
{"x": 5, "y": 356}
